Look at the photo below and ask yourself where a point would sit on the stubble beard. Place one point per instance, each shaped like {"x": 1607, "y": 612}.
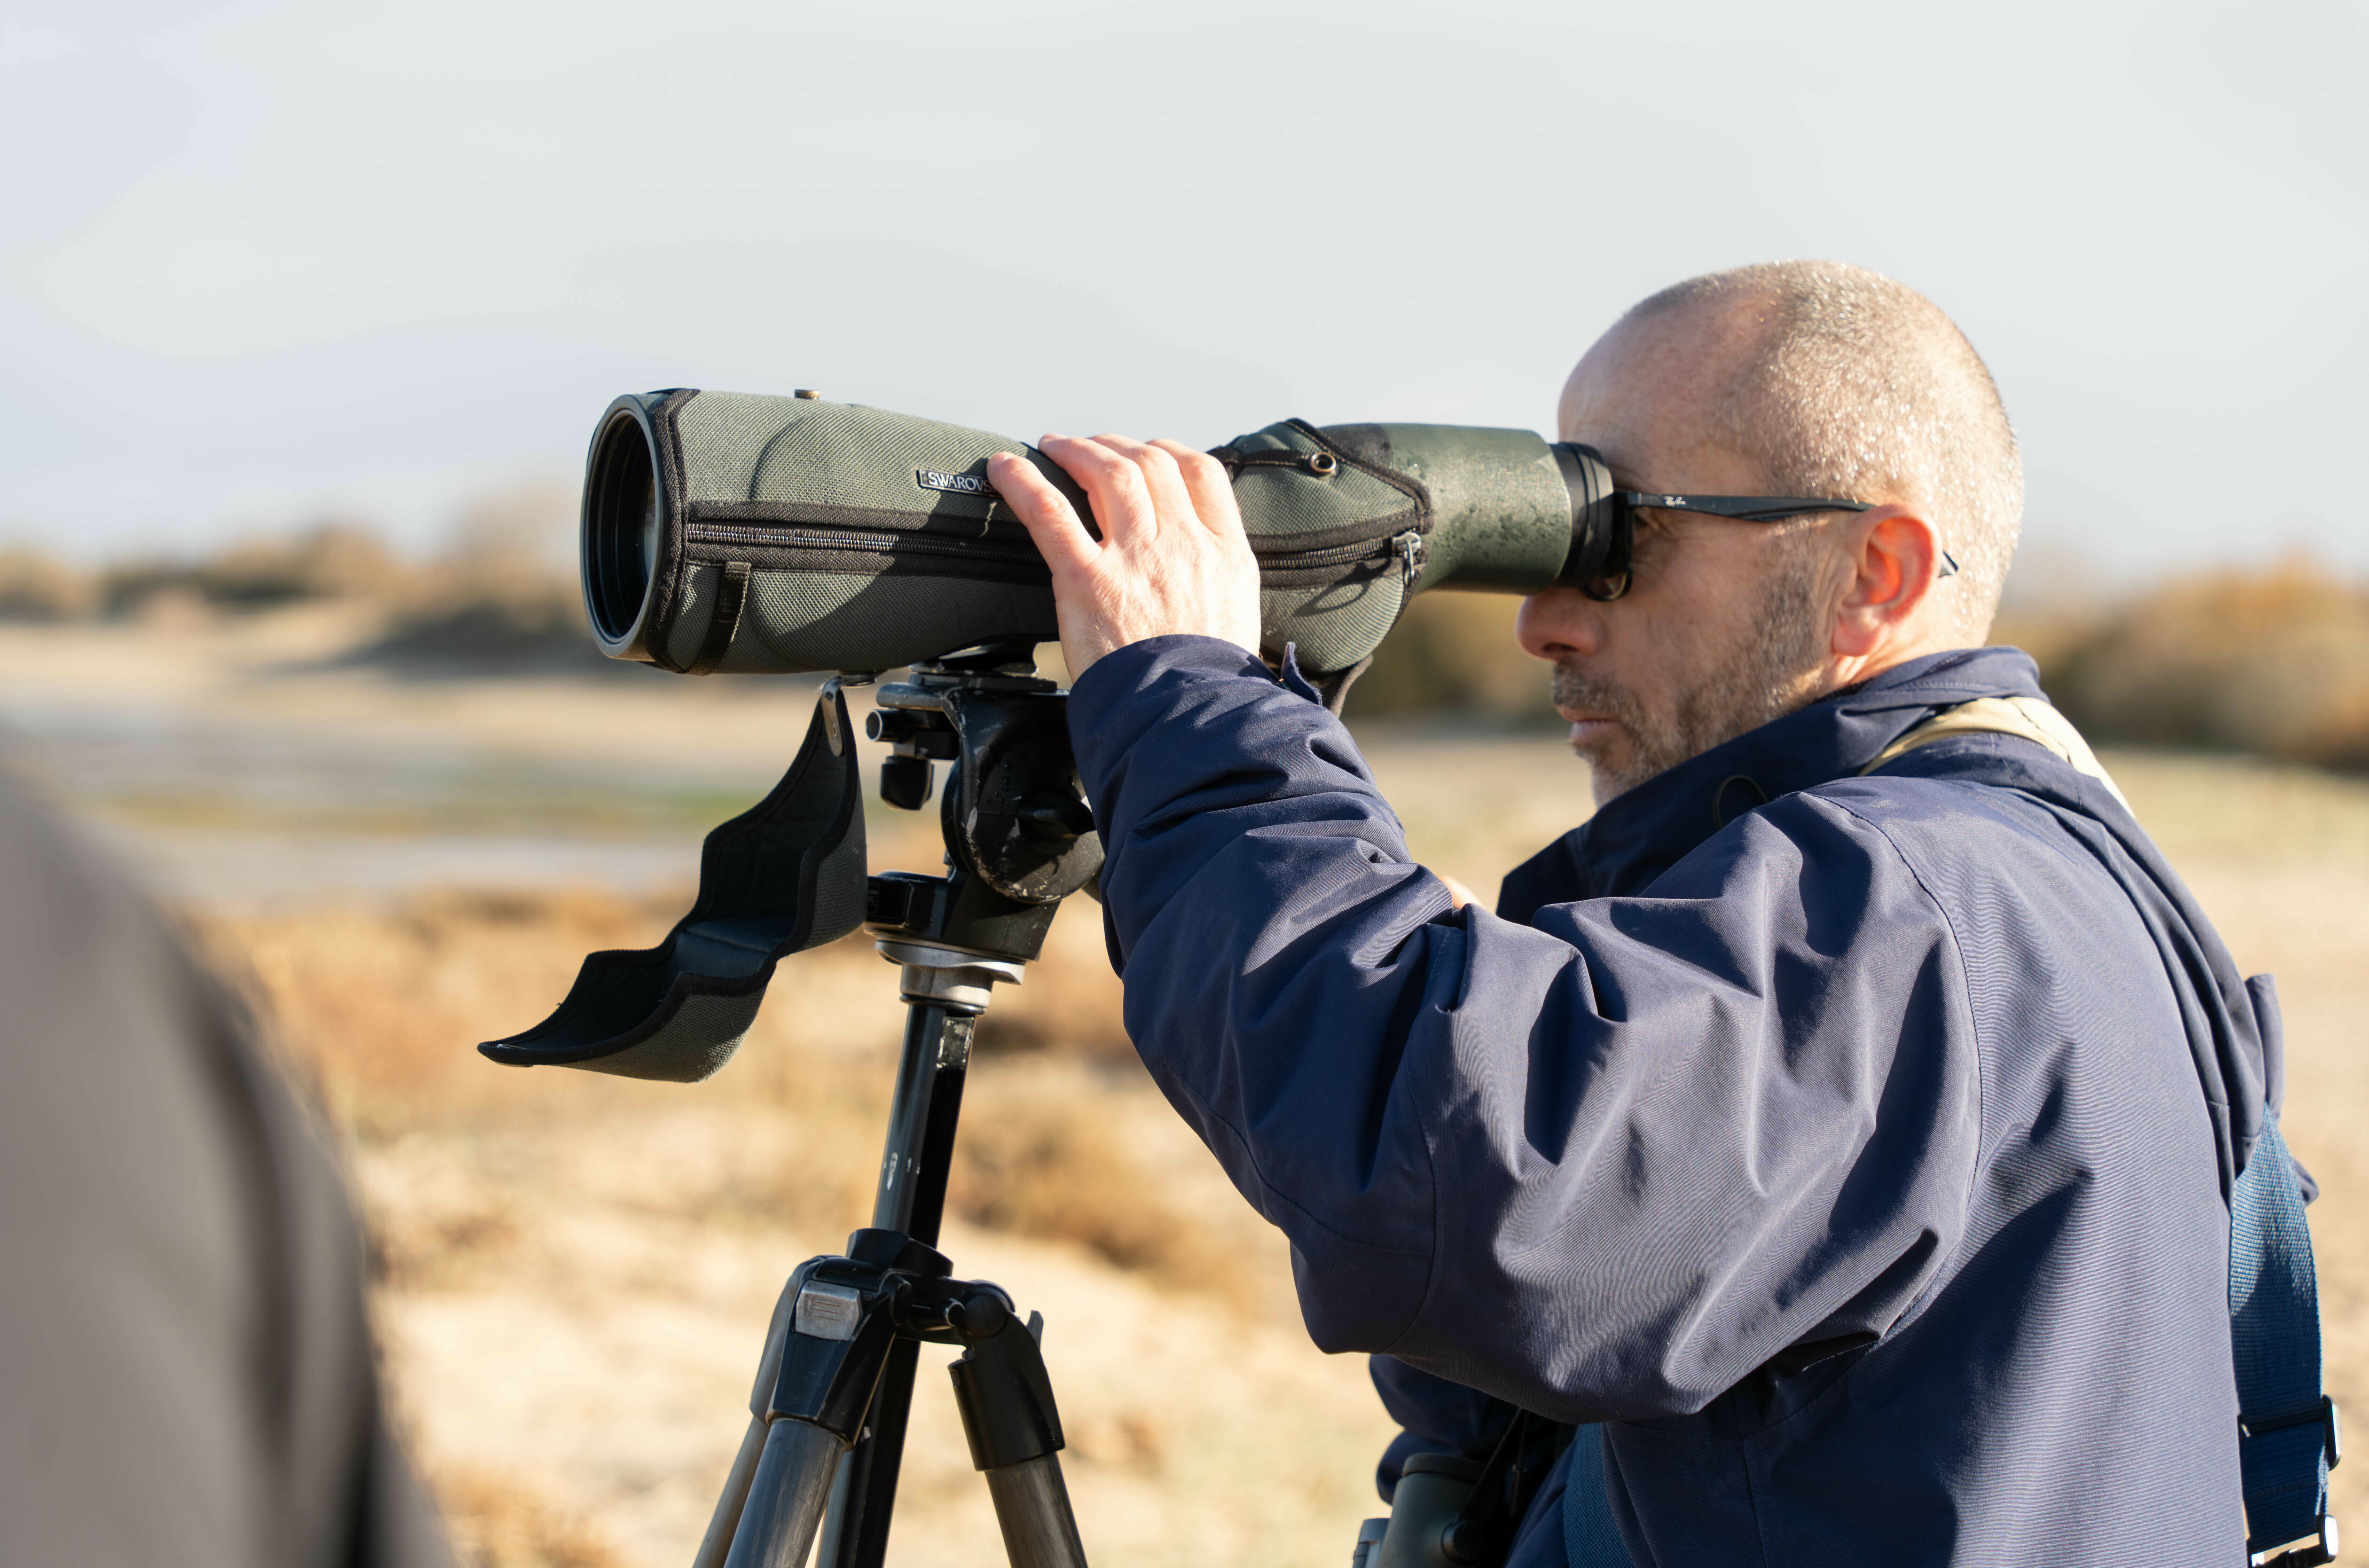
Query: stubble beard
{"x": 1770, "y": 671}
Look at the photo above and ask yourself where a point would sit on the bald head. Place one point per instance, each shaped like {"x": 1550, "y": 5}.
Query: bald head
{"x": 1830, "y": 380}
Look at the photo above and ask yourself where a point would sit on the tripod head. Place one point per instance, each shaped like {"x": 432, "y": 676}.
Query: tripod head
{"x": 1019, "y": 834}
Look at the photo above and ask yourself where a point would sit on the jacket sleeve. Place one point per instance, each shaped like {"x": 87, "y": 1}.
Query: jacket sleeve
{"x": 1604, "y": 1165}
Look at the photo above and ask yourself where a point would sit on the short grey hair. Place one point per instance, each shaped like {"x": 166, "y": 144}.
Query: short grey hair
{"x": 1855, "y": 385}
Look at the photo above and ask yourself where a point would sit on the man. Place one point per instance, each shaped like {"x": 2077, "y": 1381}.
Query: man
{"x": 1854, "y": 1148}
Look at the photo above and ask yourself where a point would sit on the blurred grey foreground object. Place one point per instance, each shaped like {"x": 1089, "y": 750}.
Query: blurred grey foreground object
{"x": 186, "y": 1374}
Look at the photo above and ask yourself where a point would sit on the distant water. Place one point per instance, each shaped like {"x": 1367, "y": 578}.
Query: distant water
{"x": 237, "y": 812}
{"x": 247, "y": 811}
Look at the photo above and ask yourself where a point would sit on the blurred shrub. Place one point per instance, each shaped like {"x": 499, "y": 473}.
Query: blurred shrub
{"x": 1453, "y": 654}
{"x": 502, "y": 596}
{"x": 329, "y": 560}
{"x": 332, "y": 560}
{"x": 499, "y": 1520}
{"x": 38, "y": 587}
{"x": 487, "y": 618}
{"x": 1060, "y": 1166}
{"x": 2272, "y": 661}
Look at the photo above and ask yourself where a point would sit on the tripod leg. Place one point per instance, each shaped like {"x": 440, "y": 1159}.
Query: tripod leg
{"x": 1015, "y": 1432}
{"x": 855, "y": 1531}
{"x": 793, "y": 1482}
{"x": 1032, "y": 1507}
{"x": 717, "y": 1543}
{"x": 831, "y": 1335}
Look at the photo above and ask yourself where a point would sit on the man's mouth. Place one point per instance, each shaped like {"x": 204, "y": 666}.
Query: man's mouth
{"x": 1594, "y": 709}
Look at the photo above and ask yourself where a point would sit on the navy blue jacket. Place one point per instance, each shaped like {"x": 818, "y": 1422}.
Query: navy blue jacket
{"x": 1857, "y": 1147}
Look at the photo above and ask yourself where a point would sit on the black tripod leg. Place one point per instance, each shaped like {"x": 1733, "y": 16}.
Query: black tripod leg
{"x": 856, "y": 1532}
{"x": 1031, "y": 1505}
{"x": 1015, "y": 1434}
{"x": 786, "y": 1501}
{"x": 717, "y": 1543}
{"x": 832, "y": 1336}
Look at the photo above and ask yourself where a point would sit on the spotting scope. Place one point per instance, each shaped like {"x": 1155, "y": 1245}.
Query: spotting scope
{"x": 727, "y": 533}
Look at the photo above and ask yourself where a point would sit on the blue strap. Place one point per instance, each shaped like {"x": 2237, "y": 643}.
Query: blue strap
{"x": 1590, "y": 1538}
{"x": 2286, "y": 1426}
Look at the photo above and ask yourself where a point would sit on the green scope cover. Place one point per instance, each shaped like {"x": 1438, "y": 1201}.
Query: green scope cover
{"x": 732, "y": 534}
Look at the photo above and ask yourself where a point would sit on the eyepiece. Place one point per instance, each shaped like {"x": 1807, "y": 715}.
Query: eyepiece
{"x": 1597, "y": 564}
{"x": 621, "y": 532}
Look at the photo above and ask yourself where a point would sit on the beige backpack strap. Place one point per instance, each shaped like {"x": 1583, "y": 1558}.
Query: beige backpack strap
{"x": 2026, "y": 716}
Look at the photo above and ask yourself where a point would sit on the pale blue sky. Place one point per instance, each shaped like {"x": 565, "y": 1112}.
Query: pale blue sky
{"x": 264, "y": 261}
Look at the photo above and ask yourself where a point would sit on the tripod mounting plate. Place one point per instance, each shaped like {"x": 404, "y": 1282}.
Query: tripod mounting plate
{"x": 946, "y": 975}
{"x": 1014, "y": 811}
{"x": 923, "y": 956}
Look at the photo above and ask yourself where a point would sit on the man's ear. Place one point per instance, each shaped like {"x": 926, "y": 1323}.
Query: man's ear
{"x": 1893, "y": 555}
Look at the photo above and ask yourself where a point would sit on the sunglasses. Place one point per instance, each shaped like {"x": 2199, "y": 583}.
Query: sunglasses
{"x": 1616, "y": 572}
{"x": 1602, "y": 560}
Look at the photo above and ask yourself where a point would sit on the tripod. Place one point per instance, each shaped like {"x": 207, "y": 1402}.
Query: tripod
{"x": 828, "y": 1412}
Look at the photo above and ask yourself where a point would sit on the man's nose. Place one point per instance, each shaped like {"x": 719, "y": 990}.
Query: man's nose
{"x": 1558, "y": 623}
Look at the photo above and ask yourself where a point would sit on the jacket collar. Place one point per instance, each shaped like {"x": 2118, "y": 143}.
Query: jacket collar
{"x": 1639, "y": 835}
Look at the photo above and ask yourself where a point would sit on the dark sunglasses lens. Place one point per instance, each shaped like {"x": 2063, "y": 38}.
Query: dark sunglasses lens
{"x": 1614, "y": 574}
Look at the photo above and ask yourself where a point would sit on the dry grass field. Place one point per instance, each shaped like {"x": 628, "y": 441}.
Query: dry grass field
{"x": 574, "y": 1272}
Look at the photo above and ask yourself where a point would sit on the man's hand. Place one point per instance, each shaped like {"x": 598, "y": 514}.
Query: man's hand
{"x": 1173, "y": 556}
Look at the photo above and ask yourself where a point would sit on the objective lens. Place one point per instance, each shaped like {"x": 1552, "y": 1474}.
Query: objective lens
{"x": 620, "y": 523}
{"x": 649, "y": 527}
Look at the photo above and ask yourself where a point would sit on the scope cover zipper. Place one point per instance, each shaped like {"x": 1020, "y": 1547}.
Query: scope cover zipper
{"x": 872, "y": 542}
{"x": 877, "y": 552}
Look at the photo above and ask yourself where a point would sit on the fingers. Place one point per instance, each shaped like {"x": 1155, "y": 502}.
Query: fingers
{"x": 1122, "y": 501}
{"x": 1061, "y": 538}
{"x": 1205, "y": 481}
{"x": 1173, "y": 556}
{"x": 1173, "y": 503}
{"x": 1139, "y": 487}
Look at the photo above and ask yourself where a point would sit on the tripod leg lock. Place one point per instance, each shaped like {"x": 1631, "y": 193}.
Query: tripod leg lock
{"x": 1000, "y": 1385}
{"x": 840, "y": 1323}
